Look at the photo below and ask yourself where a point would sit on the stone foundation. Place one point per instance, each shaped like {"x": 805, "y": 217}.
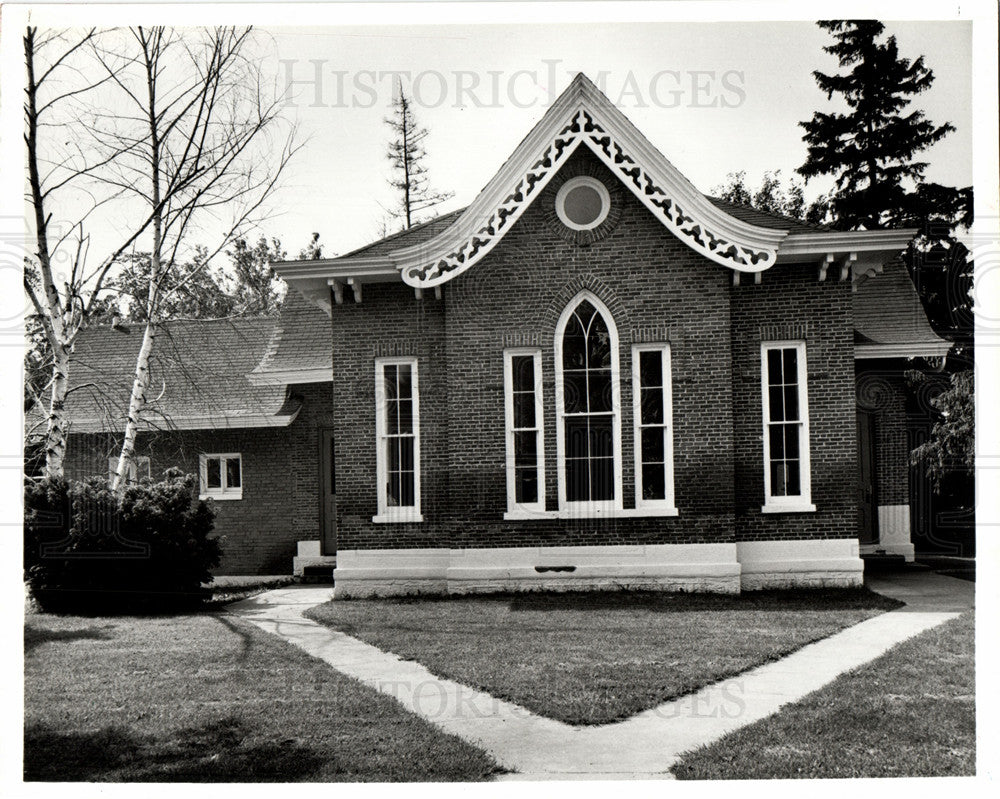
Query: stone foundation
{"x": 712, "y": 568}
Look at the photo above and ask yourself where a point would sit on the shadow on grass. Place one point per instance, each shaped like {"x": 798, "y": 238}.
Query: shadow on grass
{"x": 817, "y": 599}
{"x": 213, "y": 752}
{"x": 36, "y": 636}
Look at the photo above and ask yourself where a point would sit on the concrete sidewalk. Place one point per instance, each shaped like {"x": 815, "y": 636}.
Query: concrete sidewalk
{"x": 644, "y": 746}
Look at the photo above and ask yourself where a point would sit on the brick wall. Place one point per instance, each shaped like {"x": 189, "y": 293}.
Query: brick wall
{"x": 657, "y": 289}
{"x": 280, "y": 501}
{"x": 791, "y": 303}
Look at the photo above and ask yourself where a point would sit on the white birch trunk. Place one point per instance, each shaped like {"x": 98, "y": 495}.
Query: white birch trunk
{"x": 56, "y": 427}
{"x": 136, "y": 405}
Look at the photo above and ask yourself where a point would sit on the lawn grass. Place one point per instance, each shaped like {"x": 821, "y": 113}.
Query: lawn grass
{"x": 594, "y": 658}
{"x": 910, "y": 713}
{"x": 207, "y": 698}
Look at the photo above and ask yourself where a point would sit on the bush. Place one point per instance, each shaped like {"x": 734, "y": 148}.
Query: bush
{"x": 146, "y": 549}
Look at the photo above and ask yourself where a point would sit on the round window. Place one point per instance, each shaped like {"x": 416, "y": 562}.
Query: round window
{"x": 583, "y": 203}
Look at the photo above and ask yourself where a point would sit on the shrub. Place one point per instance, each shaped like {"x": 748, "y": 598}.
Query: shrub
{"x": 88, "y": 549}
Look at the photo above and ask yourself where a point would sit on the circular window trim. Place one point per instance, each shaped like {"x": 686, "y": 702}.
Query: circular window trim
{"x": 572, "y": 183}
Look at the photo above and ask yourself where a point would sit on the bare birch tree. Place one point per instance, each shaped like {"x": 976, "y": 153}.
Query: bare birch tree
{"x": 202, "y": 146}
{"x": 63, "y": 288}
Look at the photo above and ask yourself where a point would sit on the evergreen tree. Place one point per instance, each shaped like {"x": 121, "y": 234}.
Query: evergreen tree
{"x": 406, "y": 153}
{"x": 870, "y": 151}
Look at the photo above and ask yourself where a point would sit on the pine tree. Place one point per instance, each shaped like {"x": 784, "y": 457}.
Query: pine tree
{"x": 871, "y": 150}
{"x": 406, "y": 153}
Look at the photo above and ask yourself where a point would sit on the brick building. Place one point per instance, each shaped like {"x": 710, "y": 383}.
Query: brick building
{"x": 592, "y": 376}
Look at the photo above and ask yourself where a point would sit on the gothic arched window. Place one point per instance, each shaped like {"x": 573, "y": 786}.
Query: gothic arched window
{"x": 588, "y": 404}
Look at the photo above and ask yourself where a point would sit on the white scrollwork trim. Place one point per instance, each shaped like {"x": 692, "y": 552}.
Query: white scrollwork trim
{"x": 583, "y": 129}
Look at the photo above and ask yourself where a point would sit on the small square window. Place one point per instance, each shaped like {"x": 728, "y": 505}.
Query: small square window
{"x": 138, "y": 469}
{"x": 221, "y": 476}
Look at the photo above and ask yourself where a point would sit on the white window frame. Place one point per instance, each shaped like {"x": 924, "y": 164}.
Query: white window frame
{"x": 588, "y": 509}
{"x": 225, "y": 492}
{"x": 803, "y": 502}
{"x": 517, "y": 509}
{"x": 596, "y": 185}
{"x": 662, "y": 507}
{"x": 395, "y": 514}
{"x": 140, "y": 463}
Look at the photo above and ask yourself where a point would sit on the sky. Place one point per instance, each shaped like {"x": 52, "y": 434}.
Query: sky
{"x": 713, "y": 97}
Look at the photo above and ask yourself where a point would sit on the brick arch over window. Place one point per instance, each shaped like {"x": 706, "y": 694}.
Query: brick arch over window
{"x": 603, "y": 291}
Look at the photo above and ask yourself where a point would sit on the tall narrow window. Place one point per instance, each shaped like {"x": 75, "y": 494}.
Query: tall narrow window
{"x": 653, "y": 418}
{"x": 786, "y": 427}
{"x": 525, "y": 444}
{"x": 589, "y": 432}
{"x": 397, "y": 428}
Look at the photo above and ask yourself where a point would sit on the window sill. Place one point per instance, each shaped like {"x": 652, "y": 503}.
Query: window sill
{"x": 222, "y": 497}
{"x": 397, "y": 518}
{"x": 613, "y": 513}
{"x": 801, "y": 508}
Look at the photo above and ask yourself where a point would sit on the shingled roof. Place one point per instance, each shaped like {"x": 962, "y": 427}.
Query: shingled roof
{"x": 890, "y": 320}
{"x": 198, "y": 377}
{"x": 301, "y": 346}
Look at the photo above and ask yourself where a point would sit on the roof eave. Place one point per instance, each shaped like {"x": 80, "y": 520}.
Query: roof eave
{"x": 807, "y": 246}
{"x": 284, "y": 377}
{"x": 920, "y": 349}
{"x": 179, "y": 423}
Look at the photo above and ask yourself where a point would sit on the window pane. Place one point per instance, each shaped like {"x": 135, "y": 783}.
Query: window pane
{"x": 650, "y": 369}
{"x": 602, "y": 481}
{"x": 392, "y": 490}
{"x": 233, "y": 472}
{"x": 523, "y": 368}
{"x": 526, "y": 485}
{"x": 792, "y": 478}
{"x": 599, "y": 391}
{"x": 405, "y": 416}
{"x": 599, "y": 345}
{"x": 776, "y": 439}
{"x": 405, "y": 380}
{"x": 525, "y": 446}
{"x": 790, "y": 371}
{"x": 773, "y": 367}
{"x": 601, "y": 438}
{"x": 406, "y": 453}
{"x": 651, "y": 411}
{"x": 392, "y": 417}
{"x": 654, "y": 481}
{"x": 577, "y": 480}
{"x": 576, "y": 437}
{"x": 392, "y": 450}
{"x": 791, "y": 440}
{"x": 406, "y": 494}
{"x": 574, "y": 346}
{"x": 652, "y": 445}
{"x": 775, "y": 405}
{"x": 389, "y": 380}
{"x": 583, "y": 205}
{"x": 524, "y": 410}
{"x": 778, "y": 488}
{"x": 213, "y": 472}
{"x": 575, "y": 392}
{"x": 584, "y": 313}
{"x": 792, "y": 403}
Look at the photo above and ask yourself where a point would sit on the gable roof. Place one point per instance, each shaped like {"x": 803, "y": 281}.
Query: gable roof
{"x": 198, "y": 377}
{"x": 889, "y": 318}
{"x": 741, "y": 239}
